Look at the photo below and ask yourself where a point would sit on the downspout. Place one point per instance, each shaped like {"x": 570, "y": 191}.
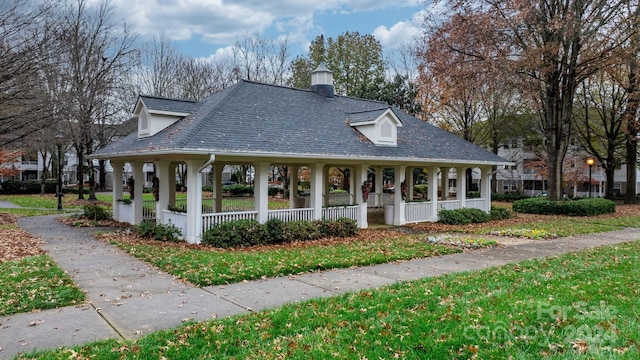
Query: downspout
{"x": 212, "y": 158}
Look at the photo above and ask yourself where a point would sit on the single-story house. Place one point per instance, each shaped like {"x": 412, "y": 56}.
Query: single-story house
{"x": 266, "y": 125}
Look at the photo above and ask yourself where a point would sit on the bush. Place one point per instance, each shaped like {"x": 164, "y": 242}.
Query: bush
{"x": 342, "y": 227}
{"x": 452, "y": 217}
{"x": 463, "y": 216}
{"x": 500, "y": 213}
{"x": 238, "y": 190}
{"x": 421, "y": 189}
{"x": 16, "y": 187}
{"x": 246, "y": 233}
{"x": 581, "y": 207}
{"x": 95, "y": 212}
{"x": 163, "y": 232}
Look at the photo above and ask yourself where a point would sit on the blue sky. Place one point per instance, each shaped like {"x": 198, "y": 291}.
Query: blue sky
{"x": 207, "y": 28}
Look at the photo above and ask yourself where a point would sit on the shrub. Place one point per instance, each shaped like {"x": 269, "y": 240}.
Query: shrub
{"x": 238, "y": 190}
{"x": 500, "y": 213}
{"x": 275, "y": 231}
{"x": 342, "y": 227}
{"x": 11, "y": 187}
{"x": 581, "y": 207}
{"x": 233, "y": 234}
{"x": 163, "y": 232}
{"x": 452, "y": 217}
{"x": 463, "y": 216}
{"x": 421, "y": 189}
{"x": 245, "y": 233}
{"x": 95, "y": 212}
{"x": 273, "y": 191}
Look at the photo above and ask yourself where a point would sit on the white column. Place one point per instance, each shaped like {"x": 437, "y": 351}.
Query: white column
{"x": 172, "y": 184}
{"x": 325, "y": 186}
{"x": 194, "y": 202}
{"x": 261, "y": 190}
{"x": 293, "y": 185}
{"x": 444, "y": 173}
{"x": 163, "y": 173}
{"x": 379, "y": 186}
{"x": 461, "y": 186}
{"x": 217, "y": 188}
{"x": 433, "y": 192}
{"x": 408, "y": 175}
{"x": 354, "y": 185}
{"x": 317, "y": 188}
{"x": 138, "y": 176}
{"x": 398, "y": 202}
{"x": 360, "y": 176}
{"x": 485, "y": 187}
{"x": 116, "y": 185}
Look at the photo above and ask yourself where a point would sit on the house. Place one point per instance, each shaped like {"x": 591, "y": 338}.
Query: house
{"x": 265, "y": 125}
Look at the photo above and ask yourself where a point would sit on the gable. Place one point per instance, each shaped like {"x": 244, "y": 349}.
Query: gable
{"x": 379, "y": 126}
{"x": 156, "y": 114}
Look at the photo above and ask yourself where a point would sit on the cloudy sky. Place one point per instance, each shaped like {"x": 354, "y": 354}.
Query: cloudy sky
{"x": 203, "y": 28}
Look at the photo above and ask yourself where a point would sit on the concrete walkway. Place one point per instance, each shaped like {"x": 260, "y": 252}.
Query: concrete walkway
{"x": 129, "y": 298}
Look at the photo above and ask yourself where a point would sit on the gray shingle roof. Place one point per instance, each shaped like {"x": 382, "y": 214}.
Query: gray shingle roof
{"x": 251, "y": 117}
{"x": 166, "y": 104}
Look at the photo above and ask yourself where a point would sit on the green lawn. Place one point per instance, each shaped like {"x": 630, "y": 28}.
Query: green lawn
{"x": 35, "y": 283}
{"x": 204, "y": 267}
{"x": 581, "y": 305}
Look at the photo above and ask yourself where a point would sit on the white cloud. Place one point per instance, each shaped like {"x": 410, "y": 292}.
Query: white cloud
{"x": 398, "y": 34}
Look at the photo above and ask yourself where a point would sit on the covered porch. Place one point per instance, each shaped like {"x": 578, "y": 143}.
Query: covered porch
{"x": 365, "y": 190}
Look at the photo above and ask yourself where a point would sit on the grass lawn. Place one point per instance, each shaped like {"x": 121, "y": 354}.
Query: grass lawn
{"x": 576, "y": 306}
{"x": 204, "y": 266}
{"x": 35, "y": 283}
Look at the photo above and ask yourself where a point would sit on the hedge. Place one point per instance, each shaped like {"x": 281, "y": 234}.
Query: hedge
{"x": 581, "y": 207}
{"x": 16, "y": 187}
{"x": 246, "y": 233}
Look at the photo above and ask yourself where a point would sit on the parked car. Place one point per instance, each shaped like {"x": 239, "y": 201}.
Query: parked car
{"x": 229, "y": 183}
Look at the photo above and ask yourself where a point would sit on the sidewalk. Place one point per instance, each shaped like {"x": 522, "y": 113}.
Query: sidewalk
{"x": 129, "y": 298}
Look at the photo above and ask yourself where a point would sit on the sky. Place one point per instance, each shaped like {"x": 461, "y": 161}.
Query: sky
{"x": 207, "y": 28}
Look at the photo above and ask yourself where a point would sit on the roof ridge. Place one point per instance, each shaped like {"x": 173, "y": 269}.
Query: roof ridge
{"x": 168, "y": 98}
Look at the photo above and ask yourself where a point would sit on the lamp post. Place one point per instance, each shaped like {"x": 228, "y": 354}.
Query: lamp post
{"x": 590, "y": 162}
{"x": 59, "y": 139}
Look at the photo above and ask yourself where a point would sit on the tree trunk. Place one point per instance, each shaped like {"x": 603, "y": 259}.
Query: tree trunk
{"x": 609, "y": 173}
{"x": 43, "y": 177}
{"x": 102, "y": 179}
{"x": 80, "y": 172}
{"x": 629, "y": 118}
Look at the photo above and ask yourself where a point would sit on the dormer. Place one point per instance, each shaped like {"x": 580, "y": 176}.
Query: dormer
{"x": 155, "y": 113}
{"x": 379, "y": 126}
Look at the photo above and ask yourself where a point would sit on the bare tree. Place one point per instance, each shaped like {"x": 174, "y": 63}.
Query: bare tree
{"x": 96, "y": 56}
{"x": 158, "y": 69}
{"x": 261, "y": 59}
{"x": 21, "y": 103}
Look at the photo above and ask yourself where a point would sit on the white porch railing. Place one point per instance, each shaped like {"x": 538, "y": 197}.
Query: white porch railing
{"x": 417, "y": 212}
{"x": 177, "y": 219}
{"x": 476, "y": 204}
{"x": 208, "y": 220}
{"x": 289, "y": 215}
{"x": 448, "y": 204}
{"x": 334, "y": 213}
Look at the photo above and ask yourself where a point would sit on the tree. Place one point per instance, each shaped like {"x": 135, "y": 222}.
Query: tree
{"x": 21, "y": 105}
{"x": 549, "y": 47}
{"x": 261, "y": 59}
{"x": 599, "y": 126}
{"x": 95, "y": 56}
{"x": 356, "y": 61}
{"x": 7, "y": 159}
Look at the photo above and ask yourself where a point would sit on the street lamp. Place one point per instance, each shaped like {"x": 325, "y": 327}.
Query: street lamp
{"x": 59, "y": 139}
{"x": 590, "y": 162}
